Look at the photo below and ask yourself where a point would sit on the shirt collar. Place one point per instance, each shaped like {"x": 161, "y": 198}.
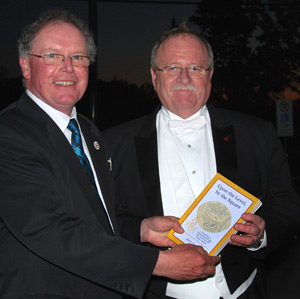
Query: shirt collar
{"x": 170, "y": 115}
{"x": 61, "y": 119}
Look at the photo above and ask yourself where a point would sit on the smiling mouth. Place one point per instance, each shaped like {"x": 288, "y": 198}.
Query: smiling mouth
{"x": 64, "y": 83}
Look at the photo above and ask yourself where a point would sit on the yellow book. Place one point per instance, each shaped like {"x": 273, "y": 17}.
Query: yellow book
{"x": 210, "y": 219}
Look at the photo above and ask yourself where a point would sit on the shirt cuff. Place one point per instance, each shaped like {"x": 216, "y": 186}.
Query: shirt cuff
{"x": 262, "y": 244}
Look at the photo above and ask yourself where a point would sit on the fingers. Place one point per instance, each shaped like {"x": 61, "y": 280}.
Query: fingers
{"x": 154, "y": 229}
{"x": 251, "y": 232}
{"x": 186, "y": 262}
{"x": 164, "y": 223}
{"x": 254, "y": 226}
{"x": 254, "y": 219}
{"x": 248, "y": 228}
{"x": 242, "y": 240}
{"x": 178, "y": 228}
{"x": 205, "y": 265}
{"x": 171, "y": 222}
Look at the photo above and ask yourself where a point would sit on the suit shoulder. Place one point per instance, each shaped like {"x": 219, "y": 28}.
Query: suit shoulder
{"x": 9, "y": 111}
{"x": 12, "y": 117}
{"x": 245, "y": 125}
{"x": 232, "y": 117}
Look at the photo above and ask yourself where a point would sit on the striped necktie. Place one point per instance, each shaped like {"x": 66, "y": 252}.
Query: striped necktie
{"x": 78, "y": 149}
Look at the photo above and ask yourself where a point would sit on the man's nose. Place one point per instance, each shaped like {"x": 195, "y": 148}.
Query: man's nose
{"x": 68, "y": 64}
{"x": 184, "y": 76}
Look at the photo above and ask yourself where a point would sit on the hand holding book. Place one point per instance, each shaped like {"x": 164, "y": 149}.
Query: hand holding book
{"x": 252, "y": 231}
{"x": 214, "y": 215}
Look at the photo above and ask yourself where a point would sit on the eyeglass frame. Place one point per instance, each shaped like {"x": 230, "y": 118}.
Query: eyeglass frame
{"x": 62, "y": 60}
{"x": 187, "y": 68}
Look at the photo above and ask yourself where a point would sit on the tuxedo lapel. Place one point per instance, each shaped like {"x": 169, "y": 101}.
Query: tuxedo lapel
{"x": 224, "y": 144}
{"x": 146, "y": 149}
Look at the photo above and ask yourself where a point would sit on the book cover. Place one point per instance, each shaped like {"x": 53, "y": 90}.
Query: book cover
{"x": 210, "y": 220}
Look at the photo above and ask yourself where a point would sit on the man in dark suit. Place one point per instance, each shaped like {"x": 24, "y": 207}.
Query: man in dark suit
{"x": 165, "y": 159}
{"x": 58, "y": 228}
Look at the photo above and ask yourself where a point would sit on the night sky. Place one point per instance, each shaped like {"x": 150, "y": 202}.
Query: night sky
{"x": 126, "y": 33}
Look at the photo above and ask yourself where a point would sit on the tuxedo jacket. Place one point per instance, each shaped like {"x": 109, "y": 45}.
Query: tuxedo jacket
{"x": 56, "y": 241}
{"x": 247, "y": 152}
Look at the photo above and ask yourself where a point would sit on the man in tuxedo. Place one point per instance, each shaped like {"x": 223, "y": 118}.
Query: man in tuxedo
{"x": 59, "y": 232}
{"x": 164, "y": 160}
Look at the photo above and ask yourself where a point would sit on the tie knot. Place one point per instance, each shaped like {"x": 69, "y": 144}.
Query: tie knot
{"x": 73, "y": 126}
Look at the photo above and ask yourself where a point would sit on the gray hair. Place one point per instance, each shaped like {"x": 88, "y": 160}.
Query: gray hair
{"x": 53, "y": 16}
{"x": 181, "y": 29}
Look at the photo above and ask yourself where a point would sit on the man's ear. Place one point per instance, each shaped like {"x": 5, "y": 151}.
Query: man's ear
{"x": 24, "y": 64}
{"x": 211, "y": 73}
{"x": 153, "y": 75}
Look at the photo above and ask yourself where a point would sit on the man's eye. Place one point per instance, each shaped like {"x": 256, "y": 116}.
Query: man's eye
{"x": 52, "y": 55}
{"x": 173, "y": 68}
{"x": 77, "y": 57}
{"x": 195, "y": 68}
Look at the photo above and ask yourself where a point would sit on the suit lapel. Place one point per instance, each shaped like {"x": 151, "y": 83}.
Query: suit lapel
{"x": 66, "y": 152}
{"x": 97, "y": 152}
{"x": 146, "y": 148}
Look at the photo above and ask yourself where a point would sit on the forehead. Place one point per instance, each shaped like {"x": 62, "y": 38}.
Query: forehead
{"x": 59, "y": 35}
{"x": 183, "y": 46}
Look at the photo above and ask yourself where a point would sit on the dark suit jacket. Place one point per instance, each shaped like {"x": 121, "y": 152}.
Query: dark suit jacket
{"x": 250, "y": 155}
{"x": 55, "y": 239}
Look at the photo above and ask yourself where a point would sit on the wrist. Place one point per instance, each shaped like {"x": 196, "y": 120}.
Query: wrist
{"x": 161, "y": 264}
{"x": 259, "y": 243}
{"x": 143, "y": 230}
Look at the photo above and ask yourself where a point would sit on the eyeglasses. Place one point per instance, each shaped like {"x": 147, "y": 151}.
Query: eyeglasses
{"x": 57, "y": 59}
{"x": 194, "y": 71}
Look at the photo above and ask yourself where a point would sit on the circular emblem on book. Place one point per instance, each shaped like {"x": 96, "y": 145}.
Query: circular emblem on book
{"x": 213, "y": 217}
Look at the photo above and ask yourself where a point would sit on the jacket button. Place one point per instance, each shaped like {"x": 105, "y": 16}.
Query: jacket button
{"x": 117, "y": 285}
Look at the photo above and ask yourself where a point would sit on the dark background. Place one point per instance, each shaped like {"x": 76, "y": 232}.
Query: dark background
{"x": 257, "y": 51}
{"x": 256, "y": 47}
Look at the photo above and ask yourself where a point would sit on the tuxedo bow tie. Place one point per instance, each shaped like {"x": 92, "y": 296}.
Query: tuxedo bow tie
{"x": 180, "y": 126}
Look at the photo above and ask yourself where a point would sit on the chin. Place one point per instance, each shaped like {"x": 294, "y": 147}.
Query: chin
{"x": 68, "y": 99}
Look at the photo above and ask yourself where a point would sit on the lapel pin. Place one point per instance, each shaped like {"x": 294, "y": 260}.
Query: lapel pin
{"x": 109, "y": 161}
{"x": 96, "y": 145}
{"x": 226, "y": 138}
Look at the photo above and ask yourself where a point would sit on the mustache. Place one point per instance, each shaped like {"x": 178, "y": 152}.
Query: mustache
{"x": 189, "y": 87}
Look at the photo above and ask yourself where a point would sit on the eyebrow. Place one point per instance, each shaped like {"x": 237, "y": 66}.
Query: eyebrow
{"x": 189, "y": 64}
{"x": 56, "y": 51}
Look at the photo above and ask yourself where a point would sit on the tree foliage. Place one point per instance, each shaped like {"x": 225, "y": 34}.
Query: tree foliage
{"x": 256, "y": 46}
